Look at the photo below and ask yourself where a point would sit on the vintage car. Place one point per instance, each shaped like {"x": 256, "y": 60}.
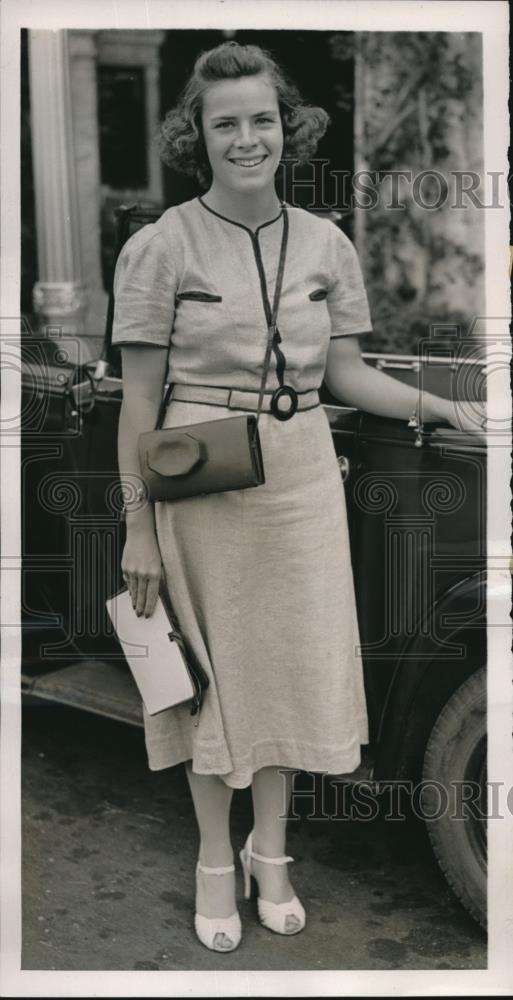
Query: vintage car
{"x": 417, "y": 516}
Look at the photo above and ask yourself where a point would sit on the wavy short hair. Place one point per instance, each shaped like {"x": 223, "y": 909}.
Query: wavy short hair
{"x": 181, "y": 141}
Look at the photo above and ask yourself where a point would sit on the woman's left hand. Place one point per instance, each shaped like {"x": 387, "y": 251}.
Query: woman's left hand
{"x": 465, "y": 416}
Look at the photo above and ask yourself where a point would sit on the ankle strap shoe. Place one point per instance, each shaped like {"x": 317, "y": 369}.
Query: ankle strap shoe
{"x": 218, "y": 933}
{"x": 282, "y": 918}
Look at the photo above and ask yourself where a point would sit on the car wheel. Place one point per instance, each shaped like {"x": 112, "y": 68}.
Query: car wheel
{"x": 455, "y": 768}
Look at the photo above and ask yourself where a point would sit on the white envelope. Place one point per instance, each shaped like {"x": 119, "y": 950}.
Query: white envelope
{"x": 154, "y": 658}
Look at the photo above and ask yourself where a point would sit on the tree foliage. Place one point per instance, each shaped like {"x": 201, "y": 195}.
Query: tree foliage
{"x": 418, "y": 108}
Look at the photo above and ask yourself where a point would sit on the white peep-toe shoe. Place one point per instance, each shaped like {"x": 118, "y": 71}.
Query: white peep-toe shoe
{"x": 272, "y": 915}
{"x": 208, "y": 928}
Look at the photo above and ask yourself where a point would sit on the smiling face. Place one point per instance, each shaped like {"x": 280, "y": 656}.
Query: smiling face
{"x": 243, "y": 133}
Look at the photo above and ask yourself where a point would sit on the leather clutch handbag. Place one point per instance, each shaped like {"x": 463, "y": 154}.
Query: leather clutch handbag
{"x": 208, "y": 457}
{"x": 166, "y": 673}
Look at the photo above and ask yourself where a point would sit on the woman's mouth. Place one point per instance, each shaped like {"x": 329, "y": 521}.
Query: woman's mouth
{"x": 246, "y": 161}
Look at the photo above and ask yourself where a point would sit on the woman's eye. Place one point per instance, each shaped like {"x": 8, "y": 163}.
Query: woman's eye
{"x": 259, "y": 121}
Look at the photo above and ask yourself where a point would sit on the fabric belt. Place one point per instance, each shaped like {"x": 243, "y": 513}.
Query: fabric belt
{"x": 243, "y": 399}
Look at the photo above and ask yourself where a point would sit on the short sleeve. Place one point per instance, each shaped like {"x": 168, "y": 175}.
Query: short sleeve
{"x": 347, "y": 299}
{"x": 145, "y": 285}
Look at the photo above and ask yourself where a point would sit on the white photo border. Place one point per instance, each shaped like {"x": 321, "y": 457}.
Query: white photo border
{"x": 490, "y": 17}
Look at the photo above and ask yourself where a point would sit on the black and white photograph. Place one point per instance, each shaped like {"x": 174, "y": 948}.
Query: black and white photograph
{"x": 256, "y": 523}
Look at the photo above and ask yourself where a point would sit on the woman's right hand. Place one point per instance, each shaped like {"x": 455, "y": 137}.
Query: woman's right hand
{"x": 141, "y": 566}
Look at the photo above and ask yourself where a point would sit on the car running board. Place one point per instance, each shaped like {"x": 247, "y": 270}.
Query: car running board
{"x": 93, "y": 686}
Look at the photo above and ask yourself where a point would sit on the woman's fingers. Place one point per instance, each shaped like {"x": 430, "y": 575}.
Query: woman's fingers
{"x": 141, "y": 566}
{"x": 144, "y": 589}
{"x": 136, "y": 584}
{"x": 139, "y": 595}
{"x": 151, "y": 595}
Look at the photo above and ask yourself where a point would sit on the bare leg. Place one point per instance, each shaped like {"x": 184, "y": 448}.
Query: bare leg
{"x": 215, "y": 895}
{"x": 271, "y": 790}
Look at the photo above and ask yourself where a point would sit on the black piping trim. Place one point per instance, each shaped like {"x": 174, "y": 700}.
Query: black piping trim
{"x": 281, "y": 361}
{"x": 144, "y": 343}
{"x": 357, "y": 333}
{"x": 280, "y": 357}
{"x": 198, "y": 296}
{"x": 240, "y": 224}
{"x": 261, "y": 275}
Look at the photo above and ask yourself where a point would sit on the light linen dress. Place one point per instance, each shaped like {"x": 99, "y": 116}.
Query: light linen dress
{"x": 260, "y": 579}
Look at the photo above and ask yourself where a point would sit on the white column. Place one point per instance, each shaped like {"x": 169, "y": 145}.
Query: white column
{"x": 84, "y": 103}
{"x": 59, "y": 294}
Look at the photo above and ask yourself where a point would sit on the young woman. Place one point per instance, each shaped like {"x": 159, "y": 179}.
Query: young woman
{"x": 260, "y": 579}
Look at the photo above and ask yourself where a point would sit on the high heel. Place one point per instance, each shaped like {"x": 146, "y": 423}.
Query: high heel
{"x": 272, "y": 915}
{"x": 208, "y": 928}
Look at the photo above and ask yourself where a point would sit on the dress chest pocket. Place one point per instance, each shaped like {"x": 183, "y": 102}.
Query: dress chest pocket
{"x": 200, "y": 315}
{"x": 317, "y": 312}
{"x": 198, "y": 295}
{"x": 318, "y": 294}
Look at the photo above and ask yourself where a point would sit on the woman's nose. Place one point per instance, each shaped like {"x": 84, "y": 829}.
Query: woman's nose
{"x": 245, "y": 135}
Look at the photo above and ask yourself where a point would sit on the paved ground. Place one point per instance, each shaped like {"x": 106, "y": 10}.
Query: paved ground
{"x": 109, "y": 853}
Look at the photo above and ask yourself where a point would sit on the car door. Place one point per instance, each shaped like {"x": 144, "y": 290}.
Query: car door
{"x": 417, "y": 516}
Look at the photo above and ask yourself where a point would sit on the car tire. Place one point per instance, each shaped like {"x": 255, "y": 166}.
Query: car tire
{"x": 456, "y": 752}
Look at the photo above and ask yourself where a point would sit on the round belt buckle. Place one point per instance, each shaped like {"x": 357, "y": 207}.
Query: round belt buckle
{"x": 284, "y": 390}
